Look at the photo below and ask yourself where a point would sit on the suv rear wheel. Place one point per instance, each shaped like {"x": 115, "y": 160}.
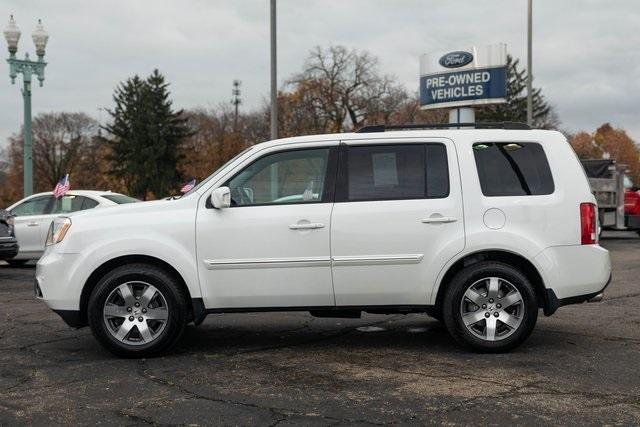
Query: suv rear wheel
{"x": 490, "y": 307}
{"x": 137, "y": 310}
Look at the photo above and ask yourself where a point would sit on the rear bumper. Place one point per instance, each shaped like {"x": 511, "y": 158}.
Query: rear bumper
{"x": 553, "y": 302}
{"x": 573, "y": 274}
{"x": 8, "y": 249}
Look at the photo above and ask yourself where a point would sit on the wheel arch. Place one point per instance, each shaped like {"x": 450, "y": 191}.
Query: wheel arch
{"x": 508, "y": 257}
{"x": 113, "y": 263}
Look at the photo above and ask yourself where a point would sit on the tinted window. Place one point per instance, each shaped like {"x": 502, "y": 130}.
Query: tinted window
{"x": 72, "y": 203}
{"x": 387, "y": 172}
{"x": 513, "y": 169}
{"x": 120, "y": 198}
{"x": 437, "y": 171}
{"x": 285, "y": 177}
{"x": 35, "y": 206}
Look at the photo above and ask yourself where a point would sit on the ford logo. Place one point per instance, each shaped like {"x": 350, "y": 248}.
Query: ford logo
{"x": 456, "y": 59}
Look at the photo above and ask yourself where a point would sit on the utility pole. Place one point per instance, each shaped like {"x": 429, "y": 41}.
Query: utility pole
{"x": 100, "y": 121}
{"x": 529, "y": 64}
{"x": 274, "y": 76}
{"x": 236, "y": 102}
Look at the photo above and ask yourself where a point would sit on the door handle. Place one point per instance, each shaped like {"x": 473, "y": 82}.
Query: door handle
{"x": 33, "y": 224}
{"x": 306, "y": 226}
{"x": 439, "y": 219}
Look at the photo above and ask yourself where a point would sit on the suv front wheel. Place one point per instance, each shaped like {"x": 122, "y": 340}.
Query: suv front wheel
{"x": 490, "y": 307}
{"x": 137, "y": 310}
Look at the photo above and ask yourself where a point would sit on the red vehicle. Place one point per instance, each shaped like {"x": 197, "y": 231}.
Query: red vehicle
{"x": 632, "y": 209}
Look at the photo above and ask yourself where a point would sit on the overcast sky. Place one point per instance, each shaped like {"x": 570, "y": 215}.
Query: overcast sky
{"x": 586, "y": 52}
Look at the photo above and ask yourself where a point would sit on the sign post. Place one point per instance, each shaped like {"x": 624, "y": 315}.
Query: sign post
{"x": 463, "y": 79}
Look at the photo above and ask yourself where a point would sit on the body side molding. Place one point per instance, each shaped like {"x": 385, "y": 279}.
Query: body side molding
{"x": 313, "y": 261}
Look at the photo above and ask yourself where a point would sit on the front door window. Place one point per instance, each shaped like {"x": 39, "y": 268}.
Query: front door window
{"x": 282, "y": 178}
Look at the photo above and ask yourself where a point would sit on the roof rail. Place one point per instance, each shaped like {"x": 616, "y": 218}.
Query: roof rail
{"x": 478, "y": 125}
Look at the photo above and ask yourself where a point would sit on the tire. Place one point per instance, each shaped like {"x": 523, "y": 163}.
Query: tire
{"x": 147, "y": 294}
{"x": 17, "y": 262}
{"x": 491, "y": 285}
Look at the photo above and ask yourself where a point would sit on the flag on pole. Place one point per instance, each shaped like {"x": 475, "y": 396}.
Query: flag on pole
{"x": 62, "y": 187}
{"x": 188, "y": 186}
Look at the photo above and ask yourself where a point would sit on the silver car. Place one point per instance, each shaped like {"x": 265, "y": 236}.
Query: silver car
{"x": 34, "y": 214}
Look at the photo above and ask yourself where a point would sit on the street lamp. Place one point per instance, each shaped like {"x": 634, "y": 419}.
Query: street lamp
{"x": 27, "y": 68}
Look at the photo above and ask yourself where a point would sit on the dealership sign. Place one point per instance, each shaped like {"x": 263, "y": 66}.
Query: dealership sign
{"x": 474, "y": 76}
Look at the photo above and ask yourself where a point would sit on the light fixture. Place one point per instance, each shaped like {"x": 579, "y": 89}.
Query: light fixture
{"x": 40, "y": 38}
{"x": 12, "y": 35}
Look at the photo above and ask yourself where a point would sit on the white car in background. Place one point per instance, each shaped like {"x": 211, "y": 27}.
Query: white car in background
{"x": 34, "y": 214}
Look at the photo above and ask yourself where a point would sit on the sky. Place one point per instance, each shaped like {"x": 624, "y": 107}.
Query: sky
{"x": 586, "y": 52}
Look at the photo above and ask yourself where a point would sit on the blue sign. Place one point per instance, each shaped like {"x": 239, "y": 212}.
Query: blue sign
{"x": 468, "y": 85}
{"x": 456, "y": 59}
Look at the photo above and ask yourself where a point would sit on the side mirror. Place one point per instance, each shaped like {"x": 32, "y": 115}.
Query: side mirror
{"x": 221, "y": 198}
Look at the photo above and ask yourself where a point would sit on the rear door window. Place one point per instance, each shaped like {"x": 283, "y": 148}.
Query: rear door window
{"x": 72, "y": 203}
{"x": 393, "y": 172}
{"x": 513, "y": 169}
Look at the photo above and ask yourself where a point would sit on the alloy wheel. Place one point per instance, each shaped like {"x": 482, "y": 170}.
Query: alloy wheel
{"x": 492, "y": 308}
{"x": 135, "y": 313}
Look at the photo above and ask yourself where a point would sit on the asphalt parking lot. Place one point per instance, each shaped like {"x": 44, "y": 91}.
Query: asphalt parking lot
{"x": 580, "y": 367}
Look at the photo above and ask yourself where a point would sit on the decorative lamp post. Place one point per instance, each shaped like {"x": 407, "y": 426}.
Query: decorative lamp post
{"x": 27, "y": 68}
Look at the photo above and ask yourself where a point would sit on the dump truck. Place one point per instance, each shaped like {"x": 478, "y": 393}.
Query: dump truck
{"x": 618, "y": 201}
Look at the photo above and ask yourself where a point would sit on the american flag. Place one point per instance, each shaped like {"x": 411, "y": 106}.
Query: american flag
{"x": 188, "y": 186}
{"x": 62, "y": 187}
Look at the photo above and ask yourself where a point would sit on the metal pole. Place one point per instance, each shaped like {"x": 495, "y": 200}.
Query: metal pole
{"x": 529, "y": 64}
{"x": 27, "y": 135}
{"x": 462, "y": 115}
{"x": 274, "y": 77}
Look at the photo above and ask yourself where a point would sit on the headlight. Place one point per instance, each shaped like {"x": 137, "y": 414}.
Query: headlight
{"x": 57, "y": 230}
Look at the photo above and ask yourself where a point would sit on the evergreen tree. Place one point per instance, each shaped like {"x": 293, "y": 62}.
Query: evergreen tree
{"x": 145, "y": 135}
{"x": 515, "y": 109}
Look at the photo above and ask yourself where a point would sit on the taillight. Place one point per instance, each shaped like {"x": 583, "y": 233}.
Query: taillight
{"x": 588, "y": 224}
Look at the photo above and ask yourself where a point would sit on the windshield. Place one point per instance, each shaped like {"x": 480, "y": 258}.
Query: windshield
{"x": 627, "y": 182}
{"x": 120, "y": 199}
{"x": 207, "y": 179}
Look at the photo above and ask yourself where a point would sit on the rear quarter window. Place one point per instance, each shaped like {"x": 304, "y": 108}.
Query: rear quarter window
{"x": 513, "y": 169}
{"x": 120, "y": 199}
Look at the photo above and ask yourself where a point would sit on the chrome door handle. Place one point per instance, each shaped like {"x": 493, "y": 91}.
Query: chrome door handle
{"x": 439, "y": 219}
{"x": 33, "y": 224}
{"x": 307, "y": 226}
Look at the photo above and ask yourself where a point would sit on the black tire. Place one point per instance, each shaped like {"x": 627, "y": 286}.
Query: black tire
{"x": 17, "y": 262}
{"x": 453, "y": 299}
{"x": 177, "y": 309}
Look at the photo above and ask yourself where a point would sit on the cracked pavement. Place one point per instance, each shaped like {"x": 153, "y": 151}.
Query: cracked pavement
{"x": 580, "y": 367}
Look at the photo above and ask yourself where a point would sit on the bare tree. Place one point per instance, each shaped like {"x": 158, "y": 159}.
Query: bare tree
{"x": 343, "y": 89}
{"x": 62, "y": 143}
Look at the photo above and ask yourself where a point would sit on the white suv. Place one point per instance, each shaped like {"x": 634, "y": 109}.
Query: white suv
{"x": 479, "y": 228}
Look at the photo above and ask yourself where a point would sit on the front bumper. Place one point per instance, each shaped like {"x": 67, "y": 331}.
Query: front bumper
{"x": 55, "y": 275}
{"x": 632, "y": 222}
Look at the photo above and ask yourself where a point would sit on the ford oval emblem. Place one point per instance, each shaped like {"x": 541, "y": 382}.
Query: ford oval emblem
{"x": 456, "y": 59}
